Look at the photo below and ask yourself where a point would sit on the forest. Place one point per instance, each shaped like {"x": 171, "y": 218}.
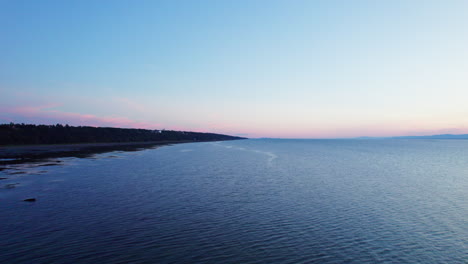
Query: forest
{"x": 29, "y": 134}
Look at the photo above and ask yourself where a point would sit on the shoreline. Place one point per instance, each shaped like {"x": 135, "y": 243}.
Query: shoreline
{"x": 12, "y": 153}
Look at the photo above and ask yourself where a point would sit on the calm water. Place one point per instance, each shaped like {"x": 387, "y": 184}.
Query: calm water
{"x": 250, "y": 201}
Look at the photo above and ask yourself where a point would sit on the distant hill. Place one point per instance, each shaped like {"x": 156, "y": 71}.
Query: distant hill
{"x": 27, "y": 134}
{"x": 443, "y": 136}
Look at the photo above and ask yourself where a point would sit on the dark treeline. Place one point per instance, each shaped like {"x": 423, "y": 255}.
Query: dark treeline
{"x": 25, "y": 134}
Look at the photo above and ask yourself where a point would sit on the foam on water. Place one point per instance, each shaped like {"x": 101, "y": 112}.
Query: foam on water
{"x": 271, "y": 155}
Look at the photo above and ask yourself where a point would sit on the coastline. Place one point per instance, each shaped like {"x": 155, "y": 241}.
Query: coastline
{"x": 12, "y": 153}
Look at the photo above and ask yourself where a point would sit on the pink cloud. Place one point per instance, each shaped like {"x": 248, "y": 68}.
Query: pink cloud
{"x": 45, "y": 114}
{"x": 30, "y": 110}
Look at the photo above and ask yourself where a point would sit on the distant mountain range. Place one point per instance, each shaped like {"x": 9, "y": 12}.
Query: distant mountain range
{"x": 442, "y": 136}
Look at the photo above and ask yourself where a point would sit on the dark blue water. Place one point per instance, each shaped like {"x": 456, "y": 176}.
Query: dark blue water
{"x": 251, "y": 201}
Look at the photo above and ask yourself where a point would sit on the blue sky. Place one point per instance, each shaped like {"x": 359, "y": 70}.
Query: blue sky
{"x": 258, "y": 68}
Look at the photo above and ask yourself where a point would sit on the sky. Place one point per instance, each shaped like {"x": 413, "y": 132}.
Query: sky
{"x": 283, "y": 69}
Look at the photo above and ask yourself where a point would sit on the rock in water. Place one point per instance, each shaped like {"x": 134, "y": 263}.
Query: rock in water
{"x": 30, "y": 200}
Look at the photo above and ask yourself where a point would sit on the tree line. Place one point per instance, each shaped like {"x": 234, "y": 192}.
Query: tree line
{"x": 26, "y": 134}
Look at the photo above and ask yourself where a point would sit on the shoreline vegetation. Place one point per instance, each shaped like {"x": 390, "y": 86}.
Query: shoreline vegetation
{"x": 26, "y": 141}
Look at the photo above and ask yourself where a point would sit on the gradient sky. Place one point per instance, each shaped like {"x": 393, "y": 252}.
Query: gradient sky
{"x": 294, "y": 69}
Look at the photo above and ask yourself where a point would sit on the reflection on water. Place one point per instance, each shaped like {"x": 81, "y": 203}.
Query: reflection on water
{"x": 24, "y": 165}
{"x": 16, "y": 169}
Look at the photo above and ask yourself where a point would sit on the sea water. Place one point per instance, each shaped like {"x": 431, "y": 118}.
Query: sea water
{"x": 246, "y": 201}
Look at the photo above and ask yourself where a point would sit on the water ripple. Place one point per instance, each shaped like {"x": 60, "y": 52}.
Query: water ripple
{"x": 254, "y": 201}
